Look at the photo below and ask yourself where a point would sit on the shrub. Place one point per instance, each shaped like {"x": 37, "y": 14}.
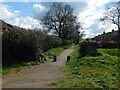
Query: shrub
{"x": 66, "y": 42}
{"x": 20, "y": 45}
{"x": 109, "y": 45}
{"x": 51, "y": 42}
{"x": 88, "y": 48}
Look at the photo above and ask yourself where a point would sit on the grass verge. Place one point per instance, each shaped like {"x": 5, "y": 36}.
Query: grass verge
{"x": 91, "y": 72}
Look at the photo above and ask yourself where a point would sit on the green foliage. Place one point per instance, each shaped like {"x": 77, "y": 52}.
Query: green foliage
{"x": 88, "y": 48}
{"x": 107, "y": 45}
{"x": 0, "y": 69}
{"x": 13, "y": 68}
{"x": 66, "y": 42}
{"x": 66, "y": 47}
{"x": 112, "y": 52}
{"x": 27, "y": 48}
{"x": 18, "y": 66}
{"x": 54, "y": 51}
{"x": 21, "y": 45}
{"x": 51, "y": 42}
{"x": 91, "y": 72}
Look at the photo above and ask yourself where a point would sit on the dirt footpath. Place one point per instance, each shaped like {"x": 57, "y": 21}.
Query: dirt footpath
{"x": 39, "y": 76}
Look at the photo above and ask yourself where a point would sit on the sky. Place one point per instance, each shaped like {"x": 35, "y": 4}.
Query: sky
{"x": 27, "y": 14}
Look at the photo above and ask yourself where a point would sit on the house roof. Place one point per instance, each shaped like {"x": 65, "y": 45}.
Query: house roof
{"x": 4, "y": 25}
{"x": 107, "y": 35}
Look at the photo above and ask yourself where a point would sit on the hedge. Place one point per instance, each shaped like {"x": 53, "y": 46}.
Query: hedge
{"x": 20, "y": 45}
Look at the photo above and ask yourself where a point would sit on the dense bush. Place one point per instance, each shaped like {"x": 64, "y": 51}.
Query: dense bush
{"x": 66, "y": 42}
{"x": 109, "y": 45}
{"x": 21, "y": 45}
{"x": 51, "y": 42}
{"x": 88, "y": 48}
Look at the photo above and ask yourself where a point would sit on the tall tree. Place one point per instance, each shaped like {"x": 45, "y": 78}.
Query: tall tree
{"x": 113, "y": 13}
{"x": 61, "y": 20}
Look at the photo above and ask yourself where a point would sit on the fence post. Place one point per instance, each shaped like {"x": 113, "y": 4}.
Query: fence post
{"x": 68, "y": 58}
{"x": 54, "y": 59}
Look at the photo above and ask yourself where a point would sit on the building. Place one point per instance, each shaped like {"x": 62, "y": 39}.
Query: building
{"x": 4, "y": 25}
{"x": 107, "y": 37}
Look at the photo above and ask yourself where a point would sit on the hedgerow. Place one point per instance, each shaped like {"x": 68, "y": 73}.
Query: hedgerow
{"x": 20, "y": 45}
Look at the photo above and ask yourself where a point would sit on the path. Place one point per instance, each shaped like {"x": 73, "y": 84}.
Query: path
{"x": 39, "y": 76}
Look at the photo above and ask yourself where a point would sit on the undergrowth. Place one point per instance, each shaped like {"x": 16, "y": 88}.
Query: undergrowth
{"x": 91, "y": 72}
{"x": 17, "y": 67}
{"x": 53, "y": 52}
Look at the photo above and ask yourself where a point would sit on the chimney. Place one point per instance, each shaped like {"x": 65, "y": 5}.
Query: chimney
{"x": 103, "y": 32}
{"x": 113, "y": 30}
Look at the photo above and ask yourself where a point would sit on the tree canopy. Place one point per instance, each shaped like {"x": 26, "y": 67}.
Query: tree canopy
{"x": 62, "y": 21}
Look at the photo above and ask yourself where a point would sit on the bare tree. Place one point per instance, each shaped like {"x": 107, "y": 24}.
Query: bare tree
{"x": 113, "y": 14}
{"x": 61, "y": 20}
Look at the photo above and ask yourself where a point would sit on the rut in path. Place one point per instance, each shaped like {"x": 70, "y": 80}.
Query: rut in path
{"x": 39, "y": 76}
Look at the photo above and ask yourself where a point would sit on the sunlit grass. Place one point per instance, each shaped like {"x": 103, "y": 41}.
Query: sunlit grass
{"x": 53, "y": 52}
{"x": 91, "y": 72}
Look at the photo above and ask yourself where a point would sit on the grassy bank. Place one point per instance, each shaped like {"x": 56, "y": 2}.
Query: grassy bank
{"x": 91, "y": 72}
{"x": 17, "y": 67}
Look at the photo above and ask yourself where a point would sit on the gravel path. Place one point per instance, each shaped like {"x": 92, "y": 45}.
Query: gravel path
{"x": 38, "y": 76}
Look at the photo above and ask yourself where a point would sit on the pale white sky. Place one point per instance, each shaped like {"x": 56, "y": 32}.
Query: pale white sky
{"x": 26, "y": 13}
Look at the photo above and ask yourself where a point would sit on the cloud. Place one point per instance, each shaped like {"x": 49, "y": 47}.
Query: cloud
{"x": 107, "y": 26}
{"x": 88, "y": 33}
{"x": 38, "y": 11}
{"x": 38, "y": 8}
{"x": 97, "y": 3}
{"x": 26, "y": 22}
{"x": 26, "y": 1}
{"x": 89, "y": 18}
{"x": 2, "y": 0}
{"x": 5, "y": 12}
{"x": 17, "y": 11}
{"x": 91, "y": 13}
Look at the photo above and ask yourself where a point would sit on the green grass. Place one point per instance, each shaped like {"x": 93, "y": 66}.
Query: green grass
{"x": 91, "y": 72}
{"x": 0, "y": 70}
{"x": 112, "y": 52}
{"x": 20, "y": 66}
{"x": 54, "y": 51}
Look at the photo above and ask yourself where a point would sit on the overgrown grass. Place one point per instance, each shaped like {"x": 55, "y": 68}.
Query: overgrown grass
{"x": 91, "y": 72}
{"x": 112, "y": 52}
{"x": 50, "y": 53}
{"x": 17, "y": 67}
